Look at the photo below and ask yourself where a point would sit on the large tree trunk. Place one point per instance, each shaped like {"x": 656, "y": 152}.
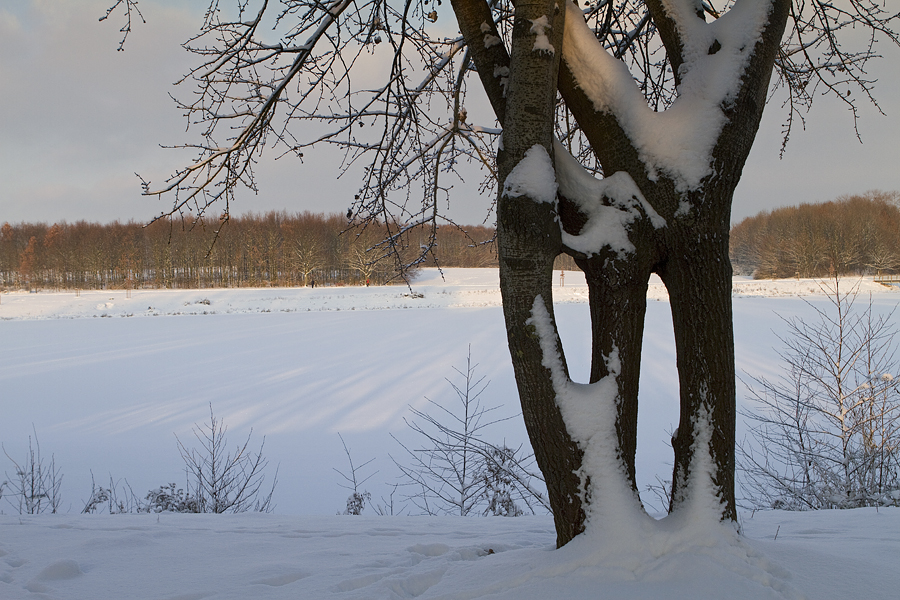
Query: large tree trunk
{"x": 526, "y": 234}
{"x": 690, "y": 253}
{"x": 529, "y": 239}
{"x": 698, "y": 277}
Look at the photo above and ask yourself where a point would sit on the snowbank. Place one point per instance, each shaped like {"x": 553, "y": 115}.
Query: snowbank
{"x": 825, "y": 555}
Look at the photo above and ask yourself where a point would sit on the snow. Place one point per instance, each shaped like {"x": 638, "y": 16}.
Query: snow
{"x": 607, "y": 223}
{"x": 825, "y": 555}
{"x": 680, "y": 140}
{"x": 540, "y": 27}
{"x": 589, "y": 411}
{"x": 300, "y": 365}
{"x": 491, "y": 40}
{"x": 533, "y": 177}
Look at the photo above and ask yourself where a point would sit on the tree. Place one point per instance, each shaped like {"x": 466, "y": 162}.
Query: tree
{"x": 219, "y": 481}
{"x": 661, "y": 102}
{"x": 851, "y": 234}
{"x": 27, "y": 261}
{"x": 356, "y": 501}
{"x": 455, "y": 470}
{"x": 826, "y": 434}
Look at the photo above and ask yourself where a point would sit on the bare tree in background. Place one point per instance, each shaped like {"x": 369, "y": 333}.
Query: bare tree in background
{"x": 826, "y": 433}
{"x": 663, "y": 97}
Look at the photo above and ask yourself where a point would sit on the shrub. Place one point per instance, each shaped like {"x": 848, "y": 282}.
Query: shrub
{"x": 827, "y": 432}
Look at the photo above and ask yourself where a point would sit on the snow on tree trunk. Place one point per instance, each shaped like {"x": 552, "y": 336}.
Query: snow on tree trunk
{"x": 529, "y": 239}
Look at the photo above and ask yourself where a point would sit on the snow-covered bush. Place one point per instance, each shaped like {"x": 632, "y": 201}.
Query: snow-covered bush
{"x": 826, "y": 434}
{"x": 356, "y": 502}
{"x": 500, "y": 483}
{"x": 170, "y": 498}
{"x": 217, "y": 481}
{"x": 119, "y": 498}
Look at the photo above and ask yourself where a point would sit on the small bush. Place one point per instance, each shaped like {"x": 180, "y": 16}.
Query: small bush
{"x": 34, "y": 486}
{"x": 218, "y": 481}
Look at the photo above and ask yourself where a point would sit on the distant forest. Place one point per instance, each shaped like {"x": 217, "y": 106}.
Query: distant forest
{"x": 274, "y": 249}
{"x": 850, "y": 235}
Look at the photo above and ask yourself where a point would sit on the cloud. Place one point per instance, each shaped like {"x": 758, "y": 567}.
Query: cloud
{"x": 79, "y": 119}
{"x": 76, "y": 112}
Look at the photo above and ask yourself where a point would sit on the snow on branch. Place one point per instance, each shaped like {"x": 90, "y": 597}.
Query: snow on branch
{"x": 610, "y": 204}
{"x": 678, "y": 141}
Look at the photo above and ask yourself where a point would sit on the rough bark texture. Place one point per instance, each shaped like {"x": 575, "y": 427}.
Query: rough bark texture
{"x": 529, "y": 239}
{"x": 690, "y": 254}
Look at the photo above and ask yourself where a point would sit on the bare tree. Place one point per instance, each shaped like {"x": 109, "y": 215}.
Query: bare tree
{"x": 849, "y": 235}
{"x": 220, "y": 481}
{"x": 356, "y": 501}
{"x": 826, "y": 434}
{"x": 662, "y": 102}
{"x": 454, "y": 470}
{"x": 308, "y": 257}
{"x": 34, "y": 486}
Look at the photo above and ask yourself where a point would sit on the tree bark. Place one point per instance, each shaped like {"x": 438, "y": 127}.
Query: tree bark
{"x": 529, "y": 239}
{"x": 690, "y": 253}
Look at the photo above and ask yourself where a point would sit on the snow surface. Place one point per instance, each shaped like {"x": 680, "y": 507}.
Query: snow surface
{"x": 106, "y": 380}
{"x": 827, "y": 555}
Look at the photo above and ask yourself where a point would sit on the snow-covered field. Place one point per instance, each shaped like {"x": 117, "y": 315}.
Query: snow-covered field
{"x": 106, "y": 380}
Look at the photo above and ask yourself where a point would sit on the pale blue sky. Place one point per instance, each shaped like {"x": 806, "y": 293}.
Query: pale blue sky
{"x": 78, "y": 119}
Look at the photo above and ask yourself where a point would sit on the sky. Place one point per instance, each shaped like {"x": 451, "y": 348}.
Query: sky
{"x": 80, "y": 119}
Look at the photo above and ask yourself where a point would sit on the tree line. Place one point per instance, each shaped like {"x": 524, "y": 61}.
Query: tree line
{"x": 272, "y": 249}
{"x": 857, "y": 234}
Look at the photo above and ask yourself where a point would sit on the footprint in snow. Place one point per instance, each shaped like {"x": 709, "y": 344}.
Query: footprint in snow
{"x": 58, "y": 571}
{"x": 416, "y": 585}
{"x": 61, "y": 569}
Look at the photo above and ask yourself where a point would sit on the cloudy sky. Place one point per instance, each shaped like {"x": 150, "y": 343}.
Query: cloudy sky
{"x": 79, "y": 119}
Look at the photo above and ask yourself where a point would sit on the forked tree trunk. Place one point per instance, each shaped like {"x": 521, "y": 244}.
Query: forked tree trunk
{"x": 690, "y": 253}
{"x": 697, "y": 275}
